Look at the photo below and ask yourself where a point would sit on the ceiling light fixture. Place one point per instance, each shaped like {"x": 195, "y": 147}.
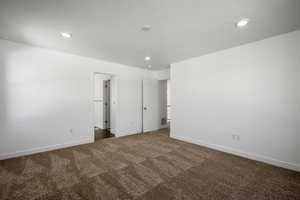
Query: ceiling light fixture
{"x": 242, "y": 23}
{"x": 66, "y": 35}
{"x": 147, "y": 58}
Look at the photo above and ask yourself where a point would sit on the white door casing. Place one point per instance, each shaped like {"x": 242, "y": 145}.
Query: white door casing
{"x": 99, "y": 99}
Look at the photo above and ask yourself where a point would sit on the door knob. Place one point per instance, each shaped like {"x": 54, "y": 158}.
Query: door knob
{"x": 145, "y": 108}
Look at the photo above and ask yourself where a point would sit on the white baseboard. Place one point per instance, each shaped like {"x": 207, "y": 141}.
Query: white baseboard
{"x": 271, "y": 161}
{"x": 164, "y": 126}
{"x": 43, "y": 149}
{"x": 132, "y": 132}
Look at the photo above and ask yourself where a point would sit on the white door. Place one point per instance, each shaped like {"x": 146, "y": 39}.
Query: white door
{"x": 151, "y": 105}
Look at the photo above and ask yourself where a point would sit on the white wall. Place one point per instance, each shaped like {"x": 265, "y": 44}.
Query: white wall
{"x": 162, "y": 74}
{"x": 251, "y": 91}
{"x": 45, "y": 93}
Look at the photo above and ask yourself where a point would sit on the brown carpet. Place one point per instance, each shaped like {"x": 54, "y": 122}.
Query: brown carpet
{"x": 102, "y": 134}
{"x": 148, "y": 166}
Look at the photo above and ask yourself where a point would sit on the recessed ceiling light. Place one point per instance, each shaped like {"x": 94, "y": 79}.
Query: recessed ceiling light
{"x": 242, "y": 23}
{"x": 147, "y": 58}
{"x": 149, "y": 66}
{"x": 66, "y": 35}
{"x": 146, "y": 28}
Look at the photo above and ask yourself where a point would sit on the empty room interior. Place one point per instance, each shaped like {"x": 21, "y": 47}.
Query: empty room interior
{"x": 149, "y": 100}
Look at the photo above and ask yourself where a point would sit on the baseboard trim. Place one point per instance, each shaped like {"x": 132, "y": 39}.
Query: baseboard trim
{"x": 126, "y": 133}
{"x": 268, "y": 160}
{"x": 164, "y": 126}
{"x": 44, "y": 149}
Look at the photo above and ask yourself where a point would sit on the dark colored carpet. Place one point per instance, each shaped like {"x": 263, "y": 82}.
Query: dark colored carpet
{"x": 148, "y": 166}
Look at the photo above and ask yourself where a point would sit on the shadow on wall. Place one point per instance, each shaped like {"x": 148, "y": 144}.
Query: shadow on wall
{"x": 11, "y": 97}
{"x": 43, "y": 100}
{"x": 3, "y": 97}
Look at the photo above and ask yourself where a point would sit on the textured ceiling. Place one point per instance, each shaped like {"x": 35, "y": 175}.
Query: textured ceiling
{"x": 111, "y": 29}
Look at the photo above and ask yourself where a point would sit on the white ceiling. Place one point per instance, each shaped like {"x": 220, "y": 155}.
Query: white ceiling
{"x": 111, "y": 29}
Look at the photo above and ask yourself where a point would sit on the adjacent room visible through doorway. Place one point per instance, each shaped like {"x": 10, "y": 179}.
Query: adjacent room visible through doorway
{"x": 165, "y": 103}
{"x": 168, "y": 102}
{"x": 102, "y": 106}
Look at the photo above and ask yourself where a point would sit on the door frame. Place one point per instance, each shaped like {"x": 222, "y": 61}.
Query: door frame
{"x": 142, "y": 85}
{"x": 112, "y": 76}
{"x": 107, "y": 102}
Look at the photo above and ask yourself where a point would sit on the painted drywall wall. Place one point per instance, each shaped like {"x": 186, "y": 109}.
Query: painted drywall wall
{"x": 162, "y": 74}
{"x": 251, "y": 91}
{"x": 47, "y": 98}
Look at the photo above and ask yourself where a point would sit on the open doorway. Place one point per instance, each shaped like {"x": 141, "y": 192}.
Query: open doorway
{"x": 168, "y": 103}
{"x": 102, "y": 106}
{"x": 165, "y": 109}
